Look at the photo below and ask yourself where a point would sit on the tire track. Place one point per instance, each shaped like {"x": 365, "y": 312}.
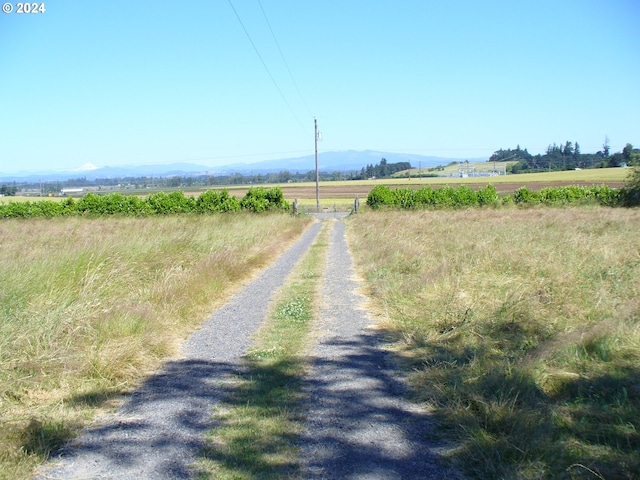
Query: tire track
{"x": 358, "y": 423}
{"x": 161, "y": 428}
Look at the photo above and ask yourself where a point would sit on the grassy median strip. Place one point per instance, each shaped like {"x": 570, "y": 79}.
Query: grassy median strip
{"x": 89, "y": 306}
{"x": 521, "y": 329}
{"x": 260, "y": 419}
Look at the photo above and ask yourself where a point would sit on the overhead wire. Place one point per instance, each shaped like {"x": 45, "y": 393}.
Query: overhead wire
{"x": 295, "y": 84}
{"x": 267, "y": 69}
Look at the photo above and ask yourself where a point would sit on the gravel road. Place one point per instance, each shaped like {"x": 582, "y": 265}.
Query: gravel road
{"x": 358, "y": 425}
{"x": 159, "y": 431}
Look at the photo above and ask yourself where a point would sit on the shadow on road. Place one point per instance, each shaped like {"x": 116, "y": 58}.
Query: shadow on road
{"x": 360, "y": 426}
{"x": 157, "y": 433}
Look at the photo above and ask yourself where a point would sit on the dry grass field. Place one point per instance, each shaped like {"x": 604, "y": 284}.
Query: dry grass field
{"x": 89, "y": 306}
{"x": 521, "y": 330}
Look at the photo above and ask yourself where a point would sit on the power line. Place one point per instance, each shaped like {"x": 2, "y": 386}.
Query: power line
{"x": 283, "y": 59}
{"x": 267, "y": 68}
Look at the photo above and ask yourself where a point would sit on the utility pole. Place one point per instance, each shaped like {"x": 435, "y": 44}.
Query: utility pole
{"x": 315, "y": 127}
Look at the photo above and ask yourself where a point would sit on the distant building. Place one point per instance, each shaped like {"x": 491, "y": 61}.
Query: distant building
{"x": 70, "y": 191}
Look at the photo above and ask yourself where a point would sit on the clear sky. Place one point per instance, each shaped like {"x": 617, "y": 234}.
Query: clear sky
{"x": 111, "y": 82}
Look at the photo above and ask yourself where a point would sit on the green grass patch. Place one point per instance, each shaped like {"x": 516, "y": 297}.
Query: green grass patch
{"x": 521, "y": 330}
{"x": 260, "y": 420}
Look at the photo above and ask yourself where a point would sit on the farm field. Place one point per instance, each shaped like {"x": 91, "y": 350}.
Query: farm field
{"x": 342, "y": 193}
{"x": 520, "y": 328}
{"x": 490, "y": 167}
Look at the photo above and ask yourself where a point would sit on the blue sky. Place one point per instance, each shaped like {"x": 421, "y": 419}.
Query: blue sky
{"x": 111, "y": 82}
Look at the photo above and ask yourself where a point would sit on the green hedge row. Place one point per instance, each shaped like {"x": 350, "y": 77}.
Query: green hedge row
{"x": 464, "y": 196}
{"x": 257, "y": 199}
{"x": 573, "y": 194}
{"x": 449, "y": 197}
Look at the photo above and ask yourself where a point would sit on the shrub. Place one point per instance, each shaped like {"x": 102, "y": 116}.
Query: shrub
{"x": 487, "y": 196}
{"x": 46, "y": 208}
{"x": 607, "y": 196}
{"x": 18, "y": 210}
{"x": 426, "y": 196}
{"x": 110, "y": 204}
{"x": 462, "y": 196}
{"x": 260, "y": 199}
{"x": 91, "y": 203}
{"x": 630, "y": 195}
{"x": 13, "y": 209}
{"x": 444, "y": 196}
{"x": 572, "y": 194}
{"x": 379, "y": 196}
{"x": 213, "y": 201}
{"x": 129, "y": 205}
{"x": 404, "y": 197}
{"x": 525, "y": 196}
{"x": 68, "y": 206}
{"x": 275, "y": 198}
{"x": 168, "y": 203}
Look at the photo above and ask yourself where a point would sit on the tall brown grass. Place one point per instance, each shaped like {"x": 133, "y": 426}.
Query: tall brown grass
{"x": 521, "y": 330}
{"x": 89, "y": 306}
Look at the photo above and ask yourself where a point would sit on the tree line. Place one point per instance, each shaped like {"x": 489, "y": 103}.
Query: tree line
{"x": 8, "y": 190}
{"x": 175, "y": 181}
{"x": 566, "y": 157}
{"x": 382, "y": 169}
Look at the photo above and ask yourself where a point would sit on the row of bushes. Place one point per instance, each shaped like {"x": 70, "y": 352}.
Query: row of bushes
{"x": 597, "y": 194}
{"x": 257, "y": 199}
{"x": 464, "y": 196}
{"x": 450, "y": 197}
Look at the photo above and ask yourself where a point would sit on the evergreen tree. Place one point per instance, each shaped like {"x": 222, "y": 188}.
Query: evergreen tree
{"x": 627, "y": 152}
{"x": 568, "y": 149}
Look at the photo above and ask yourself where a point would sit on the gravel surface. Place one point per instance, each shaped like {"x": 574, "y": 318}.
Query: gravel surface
{"x": 358, "y": 424}
{"x": 159, "y": 431}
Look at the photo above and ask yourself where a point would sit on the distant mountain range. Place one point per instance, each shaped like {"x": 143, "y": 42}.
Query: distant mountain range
{"x": 327, "y": 162}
